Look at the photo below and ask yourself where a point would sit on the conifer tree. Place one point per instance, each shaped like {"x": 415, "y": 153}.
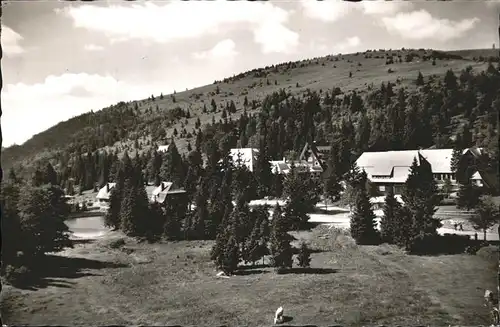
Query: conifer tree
{"x": 135, "y": 204}
{"x": 304, "y": 256}
{"x": 200, "y": 215}
{"x": 174, "y": 215}
{"x": 280, "y": 248}
{"x": 455, "y": 158}
{"x": 388, "y": 222}
{"x": 263, "y": 170}
{"x": 468, "y": 196}
{"x": 256, "y": 244}
{"x": 172, "y": 168}
{"x": 49, "y": 175}
{"x": 112, "y": 218}
{"x": 363, "y": 224}
{"x": 42, "y": 211}
{"x": 155, "y": 222}
{"x": 231, "y": 255}
{"x": 420, "y": 196}
{"x": 331, "y": 182}
{"x": 420, "y": 79}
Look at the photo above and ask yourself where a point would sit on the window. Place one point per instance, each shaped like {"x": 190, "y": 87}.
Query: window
{"x": 452, "y": 177}
{"x": 381, "y": 188}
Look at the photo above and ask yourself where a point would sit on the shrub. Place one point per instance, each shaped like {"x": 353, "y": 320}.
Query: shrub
{"x": 117, "y": 243}
{"x": 304, "y": 256}
{"x": 17, "y": 275}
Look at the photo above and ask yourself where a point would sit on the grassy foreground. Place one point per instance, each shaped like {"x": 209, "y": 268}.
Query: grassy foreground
{"x": 174, "y": 283}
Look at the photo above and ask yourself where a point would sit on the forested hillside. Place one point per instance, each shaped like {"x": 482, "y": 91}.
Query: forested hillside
{"x": 376, "y": 100}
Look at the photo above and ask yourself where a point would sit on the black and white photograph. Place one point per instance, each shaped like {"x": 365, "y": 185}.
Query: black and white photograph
{"x": 250, "y": 163}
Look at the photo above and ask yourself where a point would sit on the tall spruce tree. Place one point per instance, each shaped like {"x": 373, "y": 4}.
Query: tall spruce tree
{"x": 420, "y": 196}
{"x": 263, "y": 170}
{"x": 172, "y": 167}
{"x": 388, "y": 222}
{"x": 468, "y": 196}
{"x": 363, "y": 223}
{"x": 112, "y": 218}
{"x": 280, "y": 247}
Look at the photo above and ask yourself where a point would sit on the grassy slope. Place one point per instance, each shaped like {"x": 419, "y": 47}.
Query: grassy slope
{"x": 174, "y": 283}
{"x": 317, "y": 74}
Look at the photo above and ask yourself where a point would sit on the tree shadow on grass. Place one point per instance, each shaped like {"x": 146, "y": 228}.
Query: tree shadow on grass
{"x": 314, "y": 271}
{"x": 256, "y": 266}
{"x": 53, "y": 269}
{"x": 249, "y": 272}
{"x": 82, "y": 241}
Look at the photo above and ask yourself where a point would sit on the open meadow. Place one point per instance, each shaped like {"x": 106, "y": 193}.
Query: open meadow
{"x": 175, "y": 283}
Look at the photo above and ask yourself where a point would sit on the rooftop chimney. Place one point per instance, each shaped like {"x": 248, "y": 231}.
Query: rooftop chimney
{"x": 163, "y": 186}
{"x": 107, "y": 187}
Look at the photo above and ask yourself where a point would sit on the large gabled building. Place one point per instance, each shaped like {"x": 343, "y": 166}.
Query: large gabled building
{"x": 390, "y": 169}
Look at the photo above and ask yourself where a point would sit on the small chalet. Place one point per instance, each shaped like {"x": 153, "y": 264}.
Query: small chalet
{"x": 165, "y": 193}
{"x": 162, "y": 148}
{"x": 283, "y": 167}
{"x": 315, "y": 156}
{"x": 104, "y": 193}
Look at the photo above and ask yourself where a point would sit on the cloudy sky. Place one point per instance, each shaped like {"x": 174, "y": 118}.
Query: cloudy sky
{"x": 61, "y": 59}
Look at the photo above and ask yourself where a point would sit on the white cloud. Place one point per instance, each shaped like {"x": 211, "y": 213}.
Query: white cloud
{"x": 10, "y": 41}
{"x": 492, "y": 3}
{"x": 93, "y": 47}
{"x": 59, "y": 98}
{"x": 224, "y": 49}
{"x": 384, "y": 7}
{"x": 350, "y": 42}
{"x": 274, "y": 37}
{"x": 320, "y": 46}
{"x": 180, "y": 20}
{"x": 327, "y": 11}
{"x": 419, "y": 25}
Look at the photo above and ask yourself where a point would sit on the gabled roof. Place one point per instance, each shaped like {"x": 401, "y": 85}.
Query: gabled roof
{"x": 105, "y": 191}
{"x": 160, "y": 193}
{"x": 283, "y": 167}
{"x": 163, "y": 148}
{"x": 476, "y": 176}
{"x": 382, "y": 163}
{"x": 315, "y": 152}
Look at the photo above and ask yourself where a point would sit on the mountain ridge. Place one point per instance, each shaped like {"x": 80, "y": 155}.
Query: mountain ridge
{"x": 157, "y": 119}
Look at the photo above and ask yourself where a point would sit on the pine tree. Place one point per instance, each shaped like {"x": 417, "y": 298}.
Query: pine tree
{"x": 43, "y": 211}
{"x": 134, "y": 205}
{"x": 174, "y": 215}
{"x": 331, "y": 182}
{"x": 155, "y": 222}
{"x": 200, "y": 215}
{"x": 231, "y": 256}
{"x": 263, "y": 171}
{"x": 112, "y": 218}
{"x": 49, "y": 175}
{"x": 363, "y": 224}
{"x": 468, "y": 196}
{"x": 487, "y": 215}
{"x": 304, "y": 256}
{"x": 388, "y": 222}
{"x": 172, "y": 168}
{"x": 420, "y": 196}
{"x": 256, "y": 244}
{"x": 455, "y": 158}
{"x": 420, "y": 79}
{"x": 280, "y": 248}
